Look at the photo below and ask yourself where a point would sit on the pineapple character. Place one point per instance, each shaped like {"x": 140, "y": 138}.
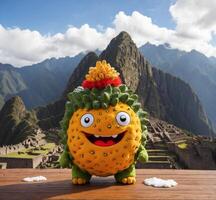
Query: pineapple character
{"x": 103, "y": 128}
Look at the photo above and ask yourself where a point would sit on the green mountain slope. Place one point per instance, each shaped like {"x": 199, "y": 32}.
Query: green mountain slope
{"x": 16, "y": 123}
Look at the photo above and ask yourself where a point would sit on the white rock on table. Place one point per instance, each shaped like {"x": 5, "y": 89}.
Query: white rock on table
{"x": 35, "y": 179}
{"x": 157, "y": 182}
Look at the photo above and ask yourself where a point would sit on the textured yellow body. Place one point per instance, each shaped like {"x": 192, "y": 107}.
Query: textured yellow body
{"x": 108, "y": 160}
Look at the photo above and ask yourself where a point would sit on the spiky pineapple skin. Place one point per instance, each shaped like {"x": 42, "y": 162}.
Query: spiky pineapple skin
{"x": 104, "y": 161}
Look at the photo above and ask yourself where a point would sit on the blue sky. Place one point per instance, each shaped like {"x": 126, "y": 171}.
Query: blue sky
{"x": 31, "y": 31}
{"x": 52, "y": 16}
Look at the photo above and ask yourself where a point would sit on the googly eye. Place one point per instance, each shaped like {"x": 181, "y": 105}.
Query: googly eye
{"x": 87, "y": 120}
{"x": 123, "y": 118}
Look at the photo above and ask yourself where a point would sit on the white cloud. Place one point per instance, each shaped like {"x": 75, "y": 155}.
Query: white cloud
{"x": 24, "y": 47}
{"x": 195, "y": 27}
{"x": 141, "y": 28}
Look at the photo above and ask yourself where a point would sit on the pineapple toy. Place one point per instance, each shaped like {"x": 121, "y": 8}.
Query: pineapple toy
{"x": 103, "y": 128}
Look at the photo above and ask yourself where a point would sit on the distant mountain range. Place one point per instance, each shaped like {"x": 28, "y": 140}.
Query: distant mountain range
{"x": 193, "y": 67}
{"x": 37, "y": 84}
{"x": 164, "y": 96}
{"x": 161, "y": 94}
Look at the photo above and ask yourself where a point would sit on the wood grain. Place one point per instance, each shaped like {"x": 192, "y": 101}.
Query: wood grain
{"x": 192, "y": 185}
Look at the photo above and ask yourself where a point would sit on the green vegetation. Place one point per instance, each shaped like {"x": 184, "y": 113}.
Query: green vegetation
{"x": 16, "y": 122}
{"x": 11, "y": 82}
{"x": 157, "y": 161}
{"x": 1, "y": 101}
{"x": 182, "y": 146}
{"x": 31, "y": 152}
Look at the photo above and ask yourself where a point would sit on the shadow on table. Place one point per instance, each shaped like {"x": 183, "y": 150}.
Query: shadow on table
{"x": 57, "y": 189}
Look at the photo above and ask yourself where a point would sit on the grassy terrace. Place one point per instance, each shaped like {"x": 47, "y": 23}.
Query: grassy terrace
{"x": 31, "y": 152}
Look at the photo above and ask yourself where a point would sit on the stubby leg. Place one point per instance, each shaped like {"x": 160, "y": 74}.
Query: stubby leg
{"x": 79, "y": 177}
{"x": 127, "y": 176}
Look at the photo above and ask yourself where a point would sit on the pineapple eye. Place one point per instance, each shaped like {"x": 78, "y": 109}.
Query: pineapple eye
{"x": 123, "y": 118}
{"x": 87, "y": 120}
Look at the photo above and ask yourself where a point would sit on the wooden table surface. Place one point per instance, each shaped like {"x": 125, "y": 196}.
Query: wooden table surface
{"x": 192, "y": 184}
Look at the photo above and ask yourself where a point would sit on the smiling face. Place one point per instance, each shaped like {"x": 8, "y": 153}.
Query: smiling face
{"x": 104, "y": 142}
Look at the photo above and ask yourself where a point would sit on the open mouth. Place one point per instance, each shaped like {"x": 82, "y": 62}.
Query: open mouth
{"x": 104, "y": 141}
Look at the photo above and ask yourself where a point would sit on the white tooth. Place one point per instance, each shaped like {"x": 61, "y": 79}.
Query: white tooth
{"x": 114, "y": 136}
{"x": 97, "y": 136}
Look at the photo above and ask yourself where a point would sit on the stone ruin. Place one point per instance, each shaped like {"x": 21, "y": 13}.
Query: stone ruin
{"x": 165, "y": 150}
{"x": 51, "y": 159}
{"x": 31, "y": 141}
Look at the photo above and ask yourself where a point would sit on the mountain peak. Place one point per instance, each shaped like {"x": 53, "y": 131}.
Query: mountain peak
{"x": 6, "y": 66}
{"x": 13, "y": 105}
{"x": 123, "y": 35}
{"x": 123, "y": 54}
{"x": 196, "y": 53}
{"x": 16, "y": 123}
{"x": 167, "y": 45}
{"x": 122, "y": 39}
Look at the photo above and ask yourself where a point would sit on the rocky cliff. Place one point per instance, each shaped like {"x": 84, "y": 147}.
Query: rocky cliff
{"x": 193, "y": 67}
{"x": 162, "y": 95}
{"x": 16, "y": 123}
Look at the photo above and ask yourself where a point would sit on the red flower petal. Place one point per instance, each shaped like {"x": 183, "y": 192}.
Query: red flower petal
{"x": 102, "y": 83}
